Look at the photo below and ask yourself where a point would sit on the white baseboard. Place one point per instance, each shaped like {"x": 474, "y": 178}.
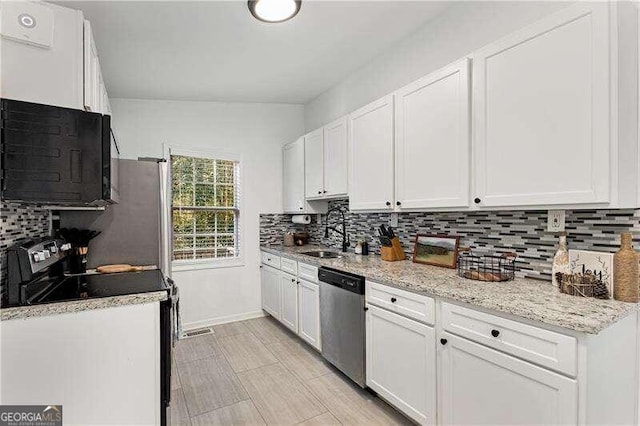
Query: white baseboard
{"x": 222, "y": 320}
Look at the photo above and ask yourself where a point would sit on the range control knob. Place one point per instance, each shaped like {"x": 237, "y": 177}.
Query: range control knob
{"x": 39, "y": 256}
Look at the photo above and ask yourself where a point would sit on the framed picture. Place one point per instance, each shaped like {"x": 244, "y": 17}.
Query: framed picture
{"x": 598, "y": 263}
{"x": 437, "y": 250}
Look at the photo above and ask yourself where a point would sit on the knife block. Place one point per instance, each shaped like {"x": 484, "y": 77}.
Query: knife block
{"x": 393, "y": 253}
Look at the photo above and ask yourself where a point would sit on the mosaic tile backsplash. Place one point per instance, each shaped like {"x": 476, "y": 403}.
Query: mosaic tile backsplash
{"x": 18, "y": 222}
{"x": 523, "y": 232}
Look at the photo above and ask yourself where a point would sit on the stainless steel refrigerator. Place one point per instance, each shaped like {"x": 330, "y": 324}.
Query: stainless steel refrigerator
{"x": 137, "y": 231}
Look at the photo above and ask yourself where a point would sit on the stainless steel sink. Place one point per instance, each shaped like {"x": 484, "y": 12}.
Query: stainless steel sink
{"x": 323, "y": 254}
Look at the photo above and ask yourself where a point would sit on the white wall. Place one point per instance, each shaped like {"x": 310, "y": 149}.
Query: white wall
{"x": 461, "y": 29}
{"x": 256, "y": 132}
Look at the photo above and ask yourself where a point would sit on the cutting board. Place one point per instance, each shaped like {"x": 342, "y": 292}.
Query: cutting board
{"x": 112, "y": 269}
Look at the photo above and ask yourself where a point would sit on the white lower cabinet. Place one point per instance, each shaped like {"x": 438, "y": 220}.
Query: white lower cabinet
{"x": 479, "y": 385}
{"x": 401, "y": 364}
{"x": 81, "y": 360}
{"x": 292, "y": 299}
{"x": 309, "y": 312}
{"x": 270, "y": 281}
{"x": 479, "y": 381}
{"x": 289, "y": 294}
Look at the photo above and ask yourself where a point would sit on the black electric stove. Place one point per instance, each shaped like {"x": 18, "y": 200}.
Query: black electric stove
{"x": 106, "y": 285}
{"x": 36, "y": 276}
{"x": 35, "y": 272}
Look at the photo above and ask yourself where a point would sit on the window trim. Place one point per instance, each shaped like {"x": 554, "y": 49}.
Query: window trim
{"x": 198, "y": 264}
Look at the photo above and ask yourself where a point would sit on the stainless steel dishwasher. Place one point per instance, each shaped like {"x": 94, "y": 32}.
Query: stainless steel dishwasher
{"x": 342, "y": 327}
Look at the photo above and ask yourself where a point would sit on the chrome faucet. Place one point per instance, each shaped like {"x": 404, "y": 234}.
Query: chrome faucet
{"x": 345, "y": 237}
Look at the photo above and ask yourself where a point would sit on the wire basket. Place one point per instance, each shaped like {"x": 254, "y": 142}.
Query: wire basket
{"x": 487, "y": 267}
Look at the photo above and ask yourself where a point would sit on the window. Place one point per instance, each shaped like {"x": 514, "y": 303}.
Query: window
{"x": 204, "y": 208}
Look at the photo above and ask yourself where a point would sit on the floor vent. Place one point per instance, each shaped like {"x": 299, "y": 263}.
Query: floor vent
{"x": 198, "y": 332}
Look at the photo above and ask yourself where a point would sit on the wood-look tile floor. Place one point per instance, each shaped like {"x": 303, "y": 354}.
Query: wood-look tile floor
{"x": 256, "y": 372}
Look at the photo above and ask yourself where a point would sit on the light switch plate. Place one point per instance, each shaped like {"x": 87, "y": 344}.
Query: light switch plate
{"x": 27, "y": 22}
{"x": 555, "y": 220}
{"x": 393, "y": 220}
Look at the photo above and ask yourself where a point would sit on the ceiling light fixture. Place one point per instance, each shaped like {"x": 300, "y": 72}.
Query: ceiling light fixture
{"x": 274, "y": 11}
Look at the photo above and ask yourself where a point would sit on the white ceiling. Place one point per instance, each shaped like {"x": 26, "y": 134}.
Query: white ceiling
{"x": 215, "y": 50}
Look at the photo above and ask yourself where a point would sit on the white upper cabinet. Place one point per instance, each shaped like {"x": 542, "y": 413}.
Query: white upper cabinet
{"x": 42, "y": 64}
{"x": 371, "y": 156}
{"x": 541, "y": 106}
{"x": 293, "y": 174}
{"x": 91, "y": 70}
{"x": 432, "y": 140}
{"x": 53, "y": 63}
{"x": 313, "y": 164}
{"x": 325, "y": 161}
{"x": 95, "y": 92}
{"x": 335, "y": 158}
{"x": 293, "y": 177}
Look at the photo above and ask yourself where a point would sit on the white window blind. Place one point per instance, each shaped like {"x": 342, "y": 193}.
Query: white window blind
{"x": 205, "y": 210}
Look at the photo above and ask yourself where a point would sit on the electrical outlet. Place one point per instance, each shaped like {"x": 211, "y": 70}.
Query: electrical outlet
{"x": 555, "y": 221}
{"x": 393, "y": 220}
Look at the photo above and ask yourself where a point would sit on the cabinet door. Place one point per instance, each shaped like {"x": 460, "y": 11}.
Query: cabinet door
{"x": 289, "y": 292}
{"x": 313, "y": 164}
{"x": 483, "y": 386}
{"x": 371, "y": 156}
{"x": 106, "y": 105}
{"x": 335, "y": 158}
{"x": 541, "y": 106}
{"x": 309, "y": 313}
{"x": 401, "y": 364}
{"x": 271, "y": 290}
{"x": 293, "y": 177}
{"x": 432, "y": 140}
{"x": 91, "y": 71}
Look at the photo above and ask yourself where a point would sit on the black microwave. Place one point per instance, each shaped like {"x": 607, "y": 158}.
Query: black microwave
{"x": 56, "y": 156}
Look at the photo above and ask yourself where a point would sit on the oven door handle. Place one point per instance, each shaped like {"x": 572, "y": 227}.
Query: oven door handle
{"x": 176, "y": 325}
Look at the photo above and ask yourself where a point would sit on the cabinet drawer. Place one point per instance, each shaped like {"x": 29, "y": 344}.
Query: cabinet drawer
{"x": 543, "y": 347}
{"x": 412, "y": 305}
{"x": 289, "y": 266}
{"x": 271, "y": 259}
{"x": 308, "y": 272}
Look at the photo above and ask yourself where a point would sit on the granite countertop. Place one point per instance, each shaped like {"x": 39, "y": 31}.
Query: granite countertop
{"x": 55, "y": 308}
{"x": 527, "y": 298}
